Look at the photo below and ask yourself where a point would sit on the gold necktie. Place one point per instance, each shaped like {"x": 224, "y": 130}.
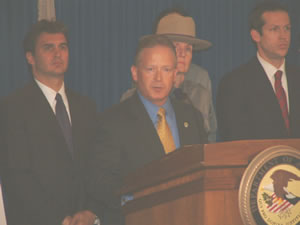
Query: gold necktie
{"x": 164, "y": 132}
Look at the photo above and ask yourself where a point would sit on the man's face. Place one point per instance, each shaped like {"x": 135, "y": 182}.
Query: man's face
{"x": 274, "y": 42}
{"x": 155, "y": 73}
{"x": 184, "y": 52}
{"x": 51, "y": 56}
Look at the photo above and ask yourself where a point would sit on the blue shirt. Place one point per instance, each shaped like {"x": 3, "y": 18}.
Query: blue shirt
{"x": 152, "y": 110}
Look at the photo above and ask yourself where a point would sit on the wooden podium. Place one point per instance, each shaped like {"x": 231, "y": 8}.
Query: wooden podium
{"x": 196, "y": 185}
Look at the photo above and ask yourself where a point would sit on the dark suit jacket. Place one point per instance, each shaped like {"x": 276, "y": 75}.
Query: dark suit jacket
{"x": 247, "y": 107}
{"x": 129, "y": 142}
{"x": 42, "y": 183}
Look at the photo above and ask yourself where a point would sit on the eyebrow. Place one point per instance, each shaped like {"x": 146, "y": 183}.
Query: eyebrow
{"x": 271, "y": 24}
{"x": 50, "y": 44}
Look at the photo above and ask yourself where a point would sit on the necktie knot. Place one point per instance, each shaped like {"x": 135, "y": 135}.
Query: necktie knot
{"x": 58, "y": 97}
{"x": 278, "y": 75}
{"x": 161, "y": 113}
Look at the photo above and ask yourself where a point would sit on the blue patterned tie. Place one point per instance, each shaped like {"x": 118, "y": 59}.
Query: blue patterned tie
{"x": 64, "y": 122}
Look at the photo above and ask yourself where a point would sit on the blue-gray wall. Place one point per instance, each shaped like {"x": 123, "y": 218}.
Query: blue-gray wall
{"x": 104, "y": 34}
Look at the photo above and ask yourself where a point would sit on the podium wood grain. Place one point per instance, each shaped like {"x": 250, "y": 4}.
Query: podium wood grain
{"x": 195, "y": 185}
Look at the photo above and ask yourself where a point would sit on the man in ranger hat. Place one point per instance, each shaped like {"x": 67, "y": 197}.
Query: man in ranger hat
{"x": 192, "y": 83}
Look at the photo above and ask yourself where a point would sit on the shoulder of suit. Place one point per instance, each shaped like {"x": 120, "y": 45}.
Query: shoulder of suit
{"x": 181, "y": 105}
{"x": 16, "y": 103}
{"x": 241, "y": 73}
{"x": 21, "y": 94}
{"x": 184, "y": 111}
{"x": 121, "y": 111}
{"x": 77, "y": 97}
{"x": 293, "y": 68}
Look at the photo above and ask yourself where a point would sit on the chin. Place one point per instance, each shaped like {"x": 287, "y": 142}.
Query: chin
{"x": 180, "y": 69}
{"x": 283, "y": 52}
{"x": 158, "y": 98}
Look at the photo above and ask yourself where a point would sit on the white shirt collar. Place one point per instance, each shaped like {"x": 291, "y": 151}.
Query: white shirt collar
{"x": 50, "y": 95}
{"x": 269, "y": 68}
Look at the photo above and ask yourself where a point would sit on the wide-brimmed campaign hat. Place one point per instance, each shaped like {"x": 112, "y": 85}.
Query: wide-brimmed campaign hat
{"x": 182, "y": 29}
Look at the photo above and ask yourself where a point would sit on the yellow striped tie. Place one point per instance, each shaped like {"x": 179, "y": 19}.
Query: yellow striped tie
{"x": 164, "y": 132}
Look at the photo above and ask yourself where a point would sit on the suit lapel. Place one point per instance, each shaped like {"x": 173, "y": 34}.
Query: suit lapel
{"x": 77, "y": 128}
{"x": 293, "y": 87}
{"x": 42, "y": 111}
{"x": 263, "y": 86}
{"x": 265, "y": 97}
{"x": 294, "y": 95}
{"x": 148, "y": 136}
{"x": 183, "y": 121}
{"x": 265, "y": 94}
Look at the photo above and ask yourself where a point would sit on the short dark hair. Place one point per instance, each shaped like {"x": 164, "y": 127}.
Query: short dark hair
{"x": 151, "y": 41}
{"x": 40, "y": 27}
{"x": 178, "y": 10}
{"x": 256, "y": 20}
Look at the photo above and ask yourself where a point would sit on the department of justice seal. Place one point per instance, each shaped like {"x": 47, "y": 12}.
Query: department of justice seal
{"x": 269, "y": 191}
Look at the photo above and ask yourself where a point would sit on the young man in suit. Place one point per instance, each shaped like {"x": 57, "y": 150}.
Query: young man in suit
{"x": 260, "y": 100}
{"x": 47, "y": 131}
{"x": 132, "y": 128}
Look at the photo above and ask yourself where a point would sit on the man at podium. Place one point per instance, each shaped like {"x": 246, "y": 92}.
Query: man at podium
{"x": 145, "y": 127}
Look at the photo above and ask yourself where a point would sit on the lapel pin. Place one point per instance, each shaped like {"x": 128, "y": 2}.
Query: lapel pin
{"x": 186, "y": 124}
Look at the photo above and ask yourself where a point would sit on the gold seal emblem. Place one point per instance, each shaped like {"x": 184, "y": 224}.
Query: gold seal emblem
{"x": 270, "y": 188}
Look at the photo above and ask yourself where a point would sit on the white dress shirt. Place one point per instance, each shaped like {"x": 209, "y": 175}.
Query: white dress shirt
{"x": 50, "y": 95}
{"x": 270, "y": 70}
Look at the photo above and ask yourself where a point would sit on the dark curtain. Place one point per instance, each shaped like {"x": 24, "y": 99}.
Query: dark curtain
{"x": 15, "y": 19}
{"x": 104, "y": 35}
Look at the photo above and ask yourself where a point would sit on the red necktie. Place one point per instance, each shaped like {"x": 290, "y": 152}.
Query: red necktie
{"x": 281, "y": 96}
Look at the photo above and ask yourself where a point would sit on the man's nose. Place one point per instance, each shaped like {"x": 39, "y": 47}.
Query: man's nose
{"x": 57, "y": 52}
{"x": 181, "y": 52}
{"x": 158, "y": 75}
{"x": 284, "y": 33}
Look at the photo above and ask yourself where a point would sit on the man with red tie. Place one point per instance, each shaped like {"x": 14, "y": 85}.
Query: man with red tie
{"x": 260, "y": 100}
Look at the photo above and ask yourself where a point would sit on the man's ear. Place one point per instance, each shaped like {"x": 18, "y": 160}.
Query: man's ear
{"x": 255, "y": 35}
{"x": 134, "y": 73}
{"x": 30, "y": 58}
